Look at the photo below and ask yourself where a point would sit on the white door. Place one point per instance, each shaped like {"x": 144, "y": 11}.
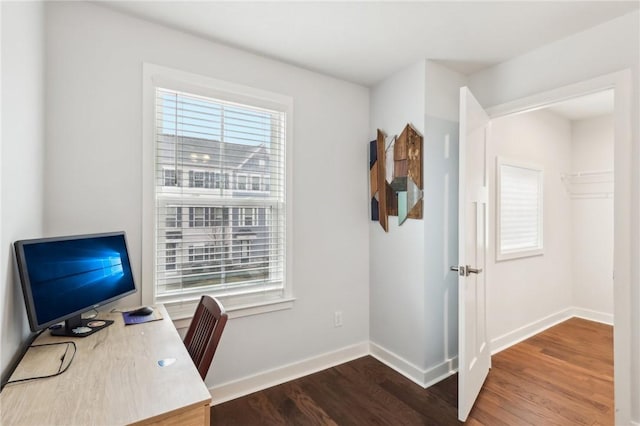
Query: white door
{"x": 474, "y": 355}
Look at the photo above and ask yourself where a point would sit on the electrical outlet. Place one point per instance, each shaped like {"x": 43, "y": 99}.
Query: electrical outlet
{"x": 337, "y": 319}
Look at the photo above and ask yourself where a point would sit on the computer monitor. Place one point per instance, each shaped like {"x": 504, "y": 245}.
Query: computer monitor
{"x": 63, "y": 277}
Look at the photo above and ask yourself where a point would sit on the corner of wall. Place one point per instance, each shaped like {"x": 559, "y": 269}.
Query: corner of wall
{"x": 395, "y": 262}
{"x": 22, "y": 158}
{"x": 441, "y": 131}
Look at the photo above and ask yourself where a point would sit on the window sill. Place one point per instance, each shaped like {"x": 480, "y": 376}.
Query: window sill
{"x": 518, "y": 254}
{"x": 181, "y": 312}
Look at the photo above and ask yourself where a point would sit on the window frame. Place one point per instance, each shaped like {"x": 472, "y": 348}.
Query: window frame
{"x": 502, "y": 254}
{"x": 241, "y": 302}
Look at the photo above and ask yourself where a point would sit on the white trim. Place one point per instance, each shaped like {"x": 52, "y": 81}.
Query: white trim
{"x": 634, "y": 423}
{"x": 266, "y": 379}
{"x": 396, "y": 362}
{"x": 595, "y": 316}
{"x": 544, "y": 99}
{"x": 624, "y": 223}
{"x": 421, "y": 377}
{"x": 516, "y": 336}
{"x": 181, "y": 311}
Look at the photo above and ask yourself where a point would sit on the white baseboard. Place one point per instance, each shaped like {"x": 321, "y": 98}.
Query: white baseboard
{"x": 518, "y": 335}
{"x": 237, "y": 388}
{"x": 424, "y": 378}
{"x": 593, "y": 316}
{"x": 396, "y": 362}
{"x": 440, "y": 372}
{"x": 634, "y": 423}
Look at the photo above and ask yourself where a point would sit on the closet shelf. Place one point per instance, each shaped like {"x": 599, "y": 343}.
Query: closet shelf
{"x": 588, "y": 184}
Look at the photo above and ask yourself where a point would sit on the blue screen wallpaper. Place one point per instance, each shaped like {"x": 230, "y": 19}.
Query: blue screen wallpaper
{"x": 72, "y": 275}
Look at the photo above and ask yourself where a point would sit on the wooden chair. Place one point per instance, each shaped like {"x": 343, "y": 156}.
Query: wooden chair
{"x": 204, "y": 333}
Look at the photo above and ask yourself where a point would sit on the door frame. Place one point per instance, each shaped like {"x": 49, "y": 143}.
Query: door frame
{"x": 620, "y": 82}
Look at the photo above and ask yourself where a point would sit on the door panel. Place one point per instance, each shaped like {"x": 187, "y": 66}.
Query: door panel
{"x": 474, "y": 357}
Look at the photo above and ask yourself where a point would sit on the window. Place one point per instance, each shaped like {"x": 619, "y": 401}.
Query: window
{"x": 196, "y": 179}
{"x": 216, "y": 180}
{"x": 519, "y": 210}
{"x": 248, "y": 217}
{"x": 174, "y": 217}
{"x": 241, "y": 181}
{"x": 219, "y": 216}
{"x": 213, "y": 131}
{"x": 196, "y": 217}
{"x": 170, "y": 257}
{"x": 255, "y": 183}
{"x": 245, "y": 246}
{"x": 196, "y": 253}
{"x": 170, "y": 177}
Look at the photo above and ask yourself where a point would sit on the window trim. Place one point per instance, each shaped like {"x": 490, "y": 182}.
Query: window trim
{"x": 238, "y": 302}
{"x": 501, "y": 254}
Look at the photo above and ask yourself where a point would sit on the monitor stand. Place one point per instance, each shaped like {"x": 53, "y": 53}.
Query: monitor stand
{"x": 79, "y": 327}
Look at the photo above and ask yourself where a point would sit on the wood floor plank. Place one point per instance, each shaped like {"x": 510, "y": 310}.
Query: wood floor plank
{"x": 562, "y": 376}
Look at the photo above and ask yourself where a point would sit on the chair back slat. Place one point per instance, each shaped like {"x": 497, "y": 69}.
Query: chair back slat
{"x": 204, "y": 333}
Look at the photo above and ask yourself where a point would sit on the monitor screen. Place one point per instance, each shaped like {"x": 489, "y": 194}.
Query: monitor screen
{"x": 63, "y": 277}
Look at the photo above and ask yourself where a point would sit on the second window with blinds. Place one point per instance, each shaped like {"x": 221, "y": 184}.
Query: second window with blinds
{"x": 519, "y": 210}
{"x": 219, "y": 197}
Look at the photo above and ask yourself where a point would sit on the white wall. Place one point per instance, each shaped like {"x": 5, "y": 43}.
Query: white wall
{"x": 22, "y": 157}
{"x": 413, "y": 299}
{"x": 442, "y": 116}
{"x": 525, "y": 290}
{"x": 592, "y": 218}
{"x": 93, "y": 171}
{"x": 396, "y": 261}
{"x": 606, "y": 48}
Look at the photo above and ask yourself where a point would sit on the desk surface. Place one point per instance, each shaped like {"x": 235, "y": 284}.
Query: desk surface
{"x": 115, "y": 378}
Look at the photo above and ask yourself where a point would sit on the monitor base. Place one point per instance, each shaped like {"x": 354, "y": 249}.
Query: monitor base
{"x": 84, "y": 328}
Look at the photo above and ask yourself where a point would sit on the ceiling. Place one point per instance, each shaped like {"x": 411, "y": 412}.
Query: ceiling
{"x": 364, "y": 42}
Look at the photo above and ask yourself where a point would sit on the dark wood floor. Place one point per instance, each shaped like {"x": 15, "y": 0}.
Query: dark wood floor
{"x": 563, "y": 376}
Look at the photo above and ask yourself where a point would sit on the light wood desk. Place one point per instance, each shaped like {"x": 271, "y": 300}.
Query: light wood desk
{"x": 114, "y": 379}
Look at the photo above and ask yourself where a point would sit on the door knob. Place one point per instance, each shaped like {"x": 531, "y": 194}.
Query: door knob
{"x": 470, "y": 270}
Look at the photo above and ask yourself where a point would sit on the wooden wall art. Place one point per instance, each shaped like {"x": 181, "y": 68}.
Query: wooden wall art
{"x": 402, "y": 196}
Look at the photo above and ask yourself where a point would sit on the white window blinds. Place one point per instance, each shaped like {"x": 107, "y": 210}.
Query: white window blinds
{"x": 519, "y": 210}
{"x": 219, "y": 196}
